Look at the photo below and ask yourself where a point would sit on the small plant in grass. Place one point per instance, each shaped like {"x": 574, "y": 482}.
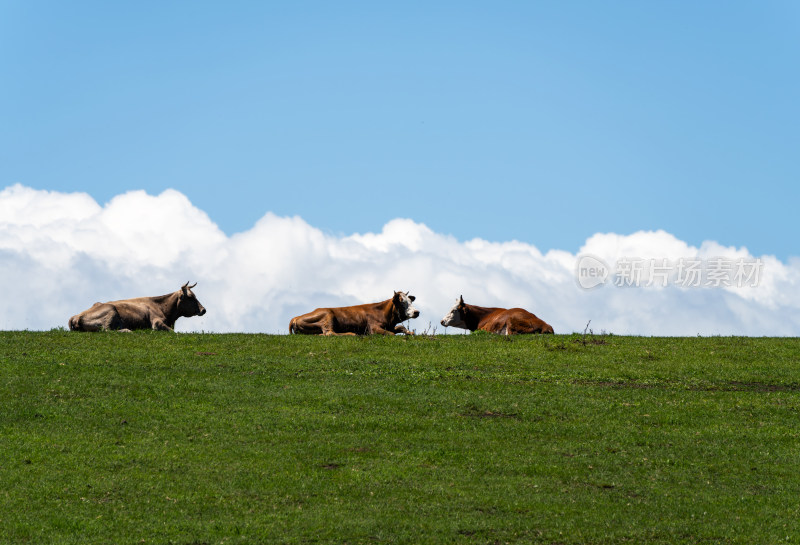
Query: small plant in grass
{"x": 592, "y": 339}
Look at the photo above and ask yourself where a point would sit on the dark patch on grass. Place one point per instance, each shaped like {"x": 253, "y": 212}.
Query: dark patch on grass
{"x": 331, "y": 466}
{"x": 598, "y": 486}
{"x": 763, "y": 387}
{"x": 590, "y": 341}
{"x": 617, "y": 384}
{"x": 205, "y": 353}
{"x": 728, "y": 386}
{"x": 746, "y": 386}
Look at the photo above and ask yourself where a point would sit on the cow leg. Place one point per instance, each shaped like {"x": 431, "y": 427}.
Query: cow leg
{"x": 101, "y": 317}
{"x": 160, "y": 325}
{"x": 329, "y": 329}
{"x": 327, "y": 325}
{"x": 322, "y": 326}
{"x": 378, "y": 330}
{"x": 309, "y": 324}
{"x": 114, "y": 322}
{"x": 400, "y": 328}
{"x": 88, "y": 325}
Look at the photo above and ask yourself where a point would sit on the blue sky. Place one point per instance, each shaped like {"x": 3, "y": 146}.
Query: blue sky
{"x": 544, "y": 122}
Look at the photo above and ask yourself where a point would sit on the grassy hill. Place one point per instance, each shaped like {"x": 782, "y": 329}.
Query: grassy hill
{"x": 158, "y": 438}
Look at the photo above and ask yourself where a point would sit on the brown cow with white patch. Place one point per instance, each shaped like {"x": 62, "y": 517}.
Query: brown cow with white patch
{"x": 159, "y": 312}
{"x": 383, "y": 318}
{"x": 504, "y": 321}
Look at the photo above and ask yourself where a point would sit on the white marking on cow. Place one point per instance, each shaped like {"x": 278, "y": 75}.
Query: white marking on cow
{"x": 453, "y": 317}
{"x": 407, "y": 308}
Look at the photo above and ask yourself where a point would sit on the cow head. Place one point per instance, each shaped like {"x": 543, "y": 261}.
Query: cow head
{"x": 402, "y": 302}
{"x": 188, "y": 305}
{"x": 457, "y": 315}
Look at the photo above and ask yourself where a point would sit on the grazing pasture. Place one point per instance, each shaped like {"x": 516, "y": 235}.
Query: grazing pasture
{"x": 157, "y": 438}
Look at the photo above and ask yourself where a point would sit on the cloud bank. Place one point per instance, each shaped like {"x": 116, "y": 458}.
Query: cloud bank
{"x": 59, "y": 253}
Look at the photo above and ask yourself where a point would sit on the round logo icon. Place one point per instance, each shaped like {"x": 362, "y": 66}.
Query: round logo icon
{"x": 591, "y": 272}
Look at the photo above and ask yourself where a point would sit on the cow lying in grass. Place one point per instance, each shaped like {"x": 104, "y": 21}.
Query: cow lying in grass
{"x": 159, "y": 312}
{"x": 495, "y": 320}
{"x": 383, "y": 318}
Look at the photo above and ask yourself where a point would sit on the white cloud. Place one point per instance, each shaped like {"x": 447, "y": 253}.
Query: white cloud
{"x": 59, "y": 253}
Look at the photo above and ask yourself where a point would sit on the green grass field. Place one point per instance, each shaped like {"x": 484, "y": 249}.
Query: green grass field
{"x": 159, "y": 438}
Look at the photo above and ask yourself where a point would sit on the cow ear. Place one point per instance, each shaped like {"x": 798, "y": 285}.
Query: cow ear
{"x": 185, "y": 288}
{"x": 460, "y": 299}
{"x": 412, "y": 298}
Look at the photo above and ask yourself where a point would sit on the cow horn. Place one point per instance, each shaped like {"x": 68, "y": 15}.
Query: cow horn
{"x": 193, "y": 285}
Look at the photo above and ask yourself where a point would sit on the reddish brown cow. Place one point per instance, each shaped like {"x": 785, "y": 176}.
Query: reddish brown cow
{"x": 383, "y": 318}
{"x": 140, "y": 313}
{"x": 495, "y": 320}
